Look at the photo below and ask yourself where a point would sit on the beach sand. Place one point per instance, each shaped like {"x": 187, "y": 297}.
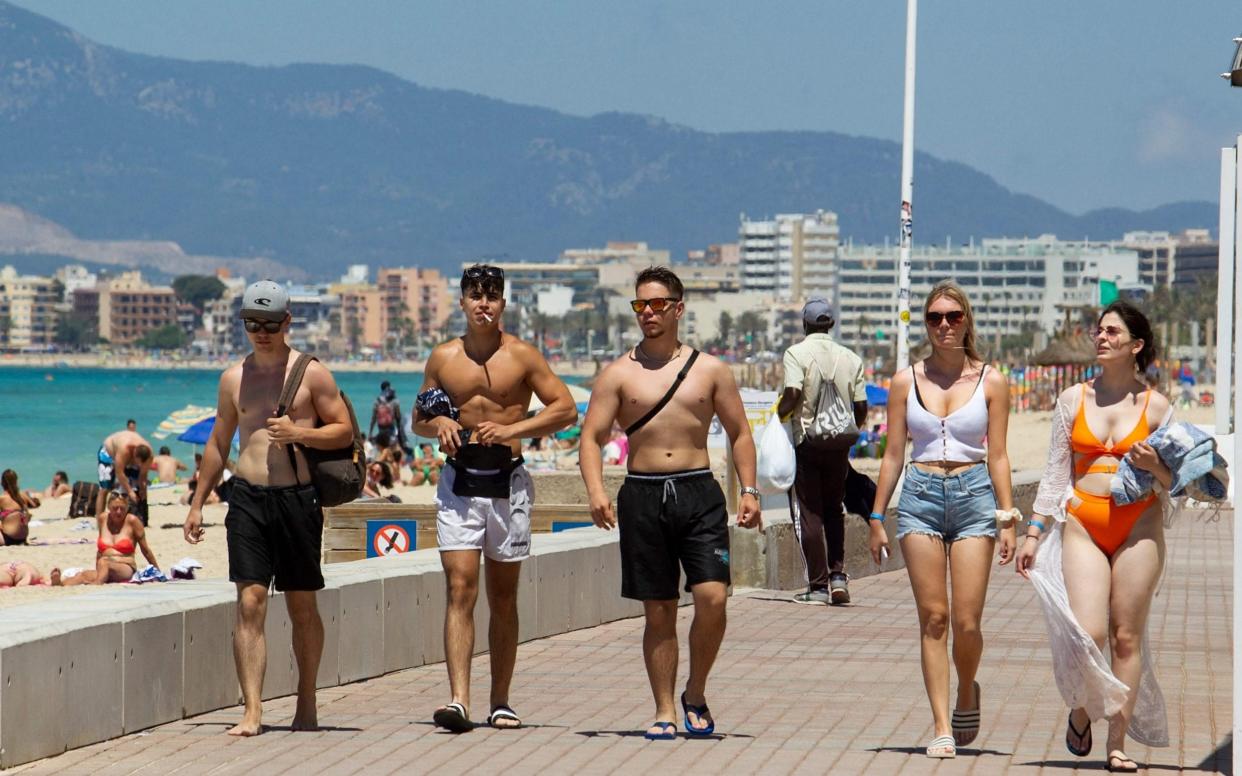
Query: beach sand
{"x": 167, "y": 543}
{"x": 1028, "y": 448}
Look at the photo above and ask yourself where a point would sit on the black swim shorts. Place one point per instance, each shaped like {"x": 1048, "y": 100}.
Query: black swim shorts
{"x": 274, "y": 532}
{"x": 665, "y": 519}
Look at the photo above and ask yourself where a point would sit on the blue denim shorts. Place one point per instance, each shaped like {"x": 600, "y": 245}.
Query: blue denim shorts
{"x": 952, "y": 507}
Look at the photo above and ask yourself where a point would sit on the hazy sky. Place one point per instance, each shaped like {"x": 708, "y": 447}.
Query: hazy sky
{"x": 1085, "y": 103}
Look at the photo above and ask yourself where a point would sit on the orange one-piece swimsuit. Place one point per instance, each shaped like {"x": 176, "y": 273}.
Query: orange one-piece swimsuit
{"x": 1107, "y": 523}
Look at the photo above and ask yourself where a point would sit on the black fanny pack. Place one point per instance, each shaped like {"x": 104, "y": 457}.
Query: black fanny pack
{"x": 497, "y": 460}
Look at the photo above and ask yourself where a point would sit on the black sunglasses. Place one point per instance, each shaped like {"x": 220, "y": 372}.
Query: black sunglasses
{"x": 474, "y": 273}
{"x": 657, "y": 305}
{"x": 253, "y": 325}
{"x": 954, "y": 317}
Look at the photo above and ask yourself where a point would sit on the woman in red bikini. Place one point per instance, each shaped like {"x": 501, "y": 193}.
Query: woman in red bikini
{"x": 120, "y": 535}
{"x": 1097, "y": 569}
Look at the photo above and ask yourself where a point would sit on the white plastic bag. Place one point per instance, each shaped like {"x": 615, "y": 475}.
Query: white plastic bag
{"x": 777, "y": 464}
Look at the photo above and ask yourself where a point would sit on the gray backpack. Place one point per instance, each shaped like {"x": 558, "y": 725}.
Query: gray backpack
{"x": 833, "y": 426}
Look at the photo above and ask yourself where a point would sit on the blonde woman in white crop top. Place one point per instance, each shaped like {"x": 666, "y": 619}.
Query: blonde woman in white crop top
{"x": 956, "y": 411}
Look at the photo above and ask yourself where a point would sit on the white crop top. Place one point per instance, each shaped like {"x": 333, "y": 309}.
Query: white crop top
{"x": 958, "y": 437}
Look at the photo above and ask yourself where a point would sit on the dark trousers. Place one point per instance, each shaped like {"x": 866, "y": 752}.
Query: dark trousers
{"x": 819, "y": 487}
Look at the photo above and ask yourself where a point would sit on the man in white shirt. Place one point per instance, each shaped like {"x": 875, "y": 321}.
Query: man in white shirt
{"x": 812, "y": 366}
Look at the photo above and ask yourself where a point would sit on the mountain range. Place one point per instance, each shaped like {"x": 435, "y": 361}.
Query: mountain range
{"x": 306, "y": 168}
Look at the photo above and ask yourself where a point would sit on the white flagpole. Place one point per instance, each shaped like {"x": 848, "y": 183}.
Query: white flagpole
{"x": 1224, "y": 289}
{"x": 907, "y": 193}
{"x": 1236, "y": 240}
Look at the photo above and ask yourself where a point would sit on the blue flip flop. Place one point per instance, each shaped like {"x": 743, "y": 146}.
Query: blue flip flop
{"x": 668, "y": 732}
{"x": 702, "y": 711}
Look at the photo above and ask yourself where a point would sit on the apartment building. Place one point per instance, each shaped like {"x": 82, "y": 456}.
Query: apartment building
{"x": 28, "y": 312}
{"x": 1014, "y": 284}
{"x": 128, "y": 307}
{"x": 636, "y": 254}
{"x": 792, "y": 256}
{"x": 75, "y": 276}
{"x": 421, "y": 296}
{"x": 363, "y": 318}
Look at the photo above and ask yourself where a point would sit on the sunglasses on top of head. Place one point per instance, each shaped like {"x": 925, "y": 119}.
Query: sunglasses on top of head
{"x": 476, "y": 273}
{"x": 657, "y": 305}
{"x": 954, "y": 317}
{"x": 253, "y": 325}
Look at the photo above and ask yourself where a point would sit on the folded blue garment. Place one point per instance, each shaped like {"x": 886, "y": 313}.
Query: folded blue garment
{"x": 1190, "y": 453}
{"x": 149, "y": 574}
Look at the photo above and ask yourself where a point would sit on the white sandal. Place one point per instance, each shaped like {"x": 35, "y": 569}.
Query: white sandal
{"x": 942, "y": 747}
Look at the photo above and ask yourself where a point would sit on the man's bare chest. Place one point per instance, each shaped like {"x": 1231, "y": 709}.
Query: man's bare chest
{"x": 257, "y": 402}
{"x": 643, "y": 389}
{"x": 498, "y": 380}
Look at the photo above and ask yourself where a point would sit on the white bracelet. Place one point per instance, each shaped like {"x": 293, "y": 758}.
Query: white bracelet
{"x": 1007, "y": 517}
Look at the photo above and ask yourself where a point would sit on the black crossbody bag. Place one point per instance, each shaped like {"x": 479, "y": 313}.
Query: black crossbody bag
{"x": 668, "y": 396}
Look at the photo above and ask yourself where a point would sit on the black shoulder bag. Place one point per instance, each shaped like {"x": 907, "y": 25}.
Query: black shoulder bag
{"x": 668, "y": 396}
{"x": 338, "y": 475}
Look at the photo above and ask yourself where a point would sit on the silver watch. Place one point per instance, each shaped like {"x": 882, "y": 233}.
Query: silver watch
{"x": 747, "y": 491}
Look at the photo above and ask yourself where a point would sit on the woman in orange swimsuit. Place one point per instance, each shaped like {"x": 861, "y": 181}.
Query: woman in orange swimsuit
{"x": 120, "y": 535}
{"x": 1110, "y": 556}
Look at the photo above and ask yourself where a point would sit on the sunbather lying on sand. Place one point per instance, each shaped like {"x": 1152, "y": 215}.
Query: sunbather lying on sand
{"x": 19, "y": 573}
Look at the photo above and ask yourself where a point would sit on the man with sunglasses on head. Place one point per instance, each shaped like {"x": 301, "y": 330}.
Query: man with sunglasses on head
{"x": 474, "y": 400}
{"x": 670, "y": 510}
{"x": 823, "y": 387}
{"x": 274, "y": 525}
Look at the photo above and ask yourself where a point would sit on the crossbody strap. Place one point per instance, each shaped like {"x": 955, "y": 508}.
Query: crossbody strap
{"x": 292, "y": 383}
{"x": 668, "y": 395}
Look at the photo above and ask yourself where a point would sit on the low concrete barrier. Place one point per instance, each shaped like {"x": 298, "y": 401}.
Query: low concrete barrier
{"x": 772, "y": 558}
{"x": 90, "y": 667}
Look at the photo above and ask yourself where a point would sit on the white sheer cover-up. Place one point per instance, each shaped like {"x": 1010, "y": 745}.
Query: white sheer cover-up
{"x": 1083, "y": 673}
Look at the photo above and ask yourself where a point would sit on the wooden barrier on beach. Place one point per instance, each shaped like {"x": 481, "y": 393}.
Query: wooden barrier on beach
{"x": 345, "y": 527}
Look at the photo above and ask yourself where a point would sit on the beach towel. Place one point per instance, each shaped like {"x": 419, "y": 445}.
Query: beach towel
{"x": 184, "y": 568}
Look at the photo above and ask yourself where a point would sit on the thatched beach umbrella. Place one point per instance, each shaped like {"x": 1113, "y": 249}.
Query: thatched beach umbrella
{"x": 1076, "y": 350}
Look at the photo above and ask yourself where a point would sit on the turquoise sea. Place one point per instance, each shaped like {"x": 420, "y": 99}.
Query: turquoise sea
{"x": 55, "y": 418}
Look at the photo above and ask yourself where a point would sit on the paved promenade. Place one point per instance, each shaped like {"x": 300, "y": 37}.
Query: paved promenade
{"x": 797, "y": 689}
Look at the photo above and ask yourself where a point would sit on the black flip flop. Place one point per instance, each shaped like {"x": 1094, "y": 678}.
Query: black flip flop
{"x": 452, "y": 718}
{"x": 1081, "y": 735}
{"x": 1126, "y": 763}
{"x": 504, "y": 712}
{"x": 701, "y": 712}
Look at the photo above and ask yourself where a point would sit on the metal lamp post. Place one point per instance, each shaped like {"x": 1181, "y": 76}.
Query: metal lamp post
{"x": 907, "y": 194}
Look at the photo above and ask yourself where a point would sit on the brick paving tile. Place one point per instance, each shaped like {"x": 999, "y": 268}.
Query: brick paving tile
{"x": 796, "y": 689}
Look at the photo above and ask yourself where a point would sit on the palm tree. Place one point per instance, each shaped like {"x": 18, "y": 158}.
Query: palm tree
{"x": 724, "y": 327}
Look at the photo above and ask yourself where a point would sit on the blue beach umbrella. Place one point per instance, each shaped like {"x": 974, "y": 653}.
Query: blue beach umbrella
{"x": 200, "y": 432}
{"x": 877, "y": 396}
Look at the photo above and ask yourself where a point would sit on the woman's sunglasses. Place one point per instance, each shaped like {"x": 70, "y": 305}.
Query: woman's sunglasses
{"x": 1111, "y": 332}
{"x": 954, "y": 317}
{"x": 253, "y": 325}
{"x": 657, "y": 305}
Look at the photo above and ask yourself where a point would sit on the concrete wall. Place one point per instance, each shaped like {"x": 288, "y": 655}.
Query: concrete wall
{"x": 86, "y": 668}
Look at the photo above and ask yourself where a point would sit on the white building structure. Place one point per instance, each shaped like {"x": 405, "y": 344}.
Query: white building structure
{"x": 792, "y": 256}
{"x": 73, "y": 277}
{"x": 1014, "y": 284}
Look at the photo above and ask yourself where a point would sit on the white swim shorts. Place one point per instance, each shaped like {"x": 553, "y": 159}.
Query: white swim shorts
{"x": 500, "y": 528}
